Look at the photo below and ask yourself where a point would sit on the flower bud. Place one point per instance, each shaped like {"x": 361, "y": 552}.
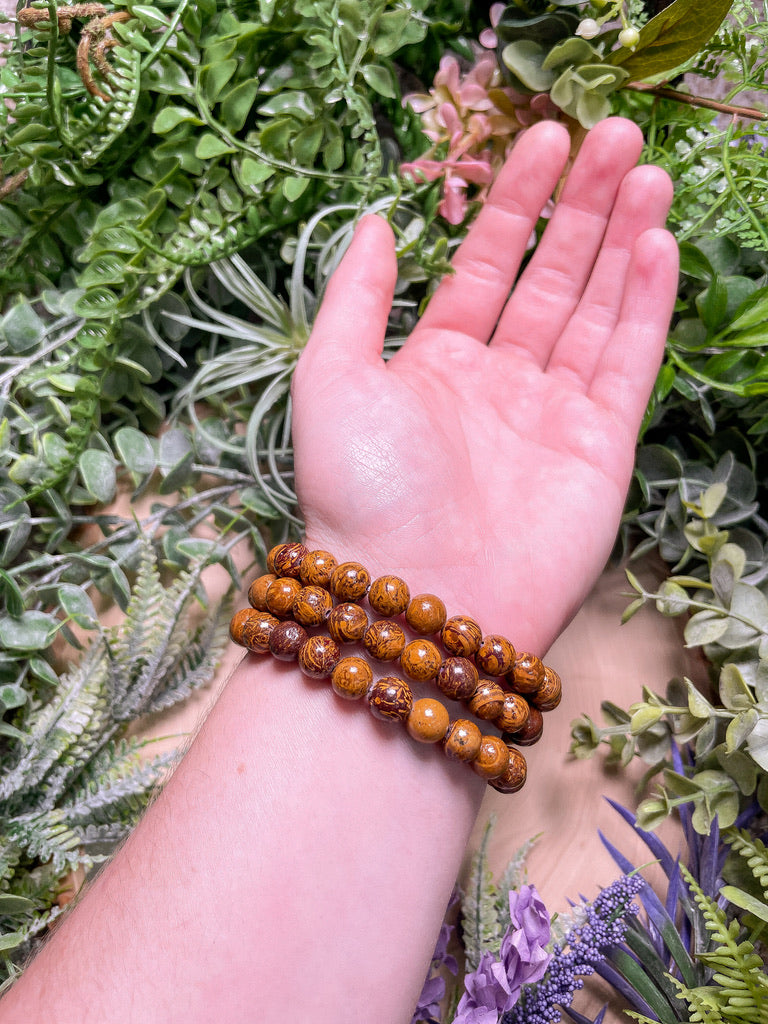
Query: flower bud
{"x": 629, "y": 37}
{"x": 588, "y": 28}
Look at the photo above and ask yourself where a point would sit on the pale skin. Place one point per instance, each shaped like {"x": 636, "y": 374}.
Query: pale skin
{"x": 298, "y": 864}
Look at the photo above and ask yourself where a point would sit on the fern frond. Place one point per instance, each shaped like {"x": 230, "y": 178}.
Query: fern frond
{"x": 481, "y": 928}
{"x": 754, "y": 852}
{"x": 46, "y": 837}
{"x": 101, "y": 124}
{"x": 515, "y": 874}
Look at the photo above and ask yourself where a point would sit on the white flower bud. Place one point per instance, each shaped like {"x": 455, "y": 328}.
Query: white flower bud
{"x": 588, "y": 29}
{"x": 629, "y": 37}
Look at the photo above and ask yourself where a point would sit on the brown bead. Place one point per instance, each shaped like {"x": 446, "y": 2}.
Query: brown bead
{"x": 462, "y": 741}
{"x": 312, "y": 606}
{"x": 318, "y": 656}
{"x": 420, "y": 660}
{"x": 426, "y": 614}
{"x": 550, "y": 692}
{"x": 316, "y": 568}
{"x": 347, "y": 623}
{"x": 350, "y": 581}
{"x": 351, "y": 678}
{"x": 495, "y": 656}
{"x": 461, "y": 636}
{"x": 390, "y": 699}
{"x": 527, "y": 673}
{"x": 531, "y": 732}
{"x": 487, "y": 702}
{"x": 281, "y": 593}
{"x": 251, "y": 628}
{"x": 428, "y": 721}
{"x": 287, "y": 560}
{"x": 389, "y": 595}
{"x": 492, "y": 757}
{"x": 514, "y": 775}
{"x": 457, "y": 678}
{"x": 271, "y": 557}
{"x": 257, "y": 592}
{"x": 514, "y": 714}
{"x": 286, "y": 640}
{"x": 384, "y": 640}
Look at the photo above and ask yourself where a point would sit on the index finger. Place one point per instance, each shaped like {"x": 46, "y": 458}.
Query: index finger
{"x": 470, "y": 300}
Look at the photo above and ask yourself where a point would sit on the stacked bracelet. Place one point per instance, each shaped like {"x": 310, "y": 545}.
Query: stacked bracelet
{"x": 307, "y": 590}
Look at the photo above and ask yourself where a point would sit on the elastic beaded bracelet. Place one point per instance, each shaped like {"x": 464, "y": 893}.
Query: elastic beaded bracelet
{"x": 297, "y": 593}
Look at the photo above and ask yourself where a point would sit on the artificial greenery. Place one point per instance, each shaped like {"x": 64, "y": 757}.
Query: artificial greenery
{"x": 177, "y": 183}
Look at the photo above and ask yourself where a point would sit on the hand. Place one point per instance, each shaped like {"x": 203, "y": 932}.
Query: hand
{"x": 488, "y": 460}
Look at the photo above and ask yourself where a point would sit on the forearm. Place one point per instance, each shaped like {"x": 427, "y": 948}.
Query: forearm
{"x": 302, "y": 855}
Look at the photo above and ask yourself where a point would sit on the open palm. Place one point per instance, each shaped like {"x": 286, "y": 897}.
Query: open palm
{"x": 489, "y": 459}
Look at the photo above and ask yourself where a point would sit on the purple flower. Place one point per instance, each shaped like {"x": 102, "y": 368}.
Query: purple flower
{"x": 428, "y": 1006}
{"x": 495, "y": 986}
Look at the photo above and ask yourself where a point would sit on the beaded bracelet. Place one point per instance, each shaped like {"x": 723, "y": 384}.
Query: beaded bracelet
{"x": 298, "y": 594}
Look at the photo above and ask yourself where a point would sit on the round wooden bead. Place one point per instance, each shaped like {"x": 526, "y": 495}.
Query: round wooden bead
{"x": 286, "y": 639}
{"x": 389, "y": 595}
{"x": 457, "y": 678}
{"x": 428, "y": 721}
{"x": 462, "y": 741}
{"x": 316, "y": 568}
{"x": 312, "y": 606}
{"x": 351, "y": 678}
{"x": 420, "y": 660}
{"x": 318, "y": 656}
{"x": 461, "y": 636}
{"x": 487, "y": 702}
{"x": 514, "y": 775}
{"x": 350, "y": 581}
{"x": 531, "y": 732}
{"x": 271, "y": 557}
{"x": 347, "y": 623}
{"x": 495, "y": 656}
{"x": 252, "y": 628}
{"x": 527, "y": 673}
{"x": 384, "y": 640}
{"x": 550, "y": 692}
{"x": 287, "y": 560}
{"x": 514, "y": 713}
{"x": 426, "y": 614}
{"x": 390, "y": 699}
{"x": 257, "y": 592}
{"x": 492, "y": 757}
{"x": 281, "y": 593}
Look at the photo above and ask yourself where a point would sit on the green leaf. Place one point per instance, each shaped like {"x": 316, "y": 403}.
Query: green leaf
{"x": 379, "y": 78}
{"x": 674, "y": 599}
{"x": 171, "y": 117}
{"x": 77, "y": 605}
{"x": 210, "y": 146}
{"x": 751, "y": 313}
{"x": 745, "y": 901}
{"x": 215, "y": 76}
{"x": 136, "y": 451}
{"x": 673, "y": 36}
{"x": 14, "y": 600}
{"x": 10, "y": 904}
{"x": 97, "y": 470}
{"x": 294, "y": 187}
{"x": 12, "y": 696}
{"x": 22, "y": 328}
{"x": 525, "y": 59}
{"x": 757, "y": 743}
{"x": 236, "y": 105}
{"x": 704, "y": 628}
{"x": 734, "y": 692}
{"x": 32, "y": 631}
{"x": 712, "y": 303}
{"x": 253, "y": 172}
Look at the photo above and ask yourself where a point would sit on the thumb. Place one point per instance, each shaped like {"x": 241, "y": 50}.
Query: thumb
{"x": 352, "y": 320}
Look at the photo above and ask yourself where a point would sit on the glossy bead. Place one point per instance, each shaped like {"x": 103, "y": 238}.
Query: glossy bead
{"x": 286, "y": 639}
{"x": 527, "y": 673}
{"x": 347, "y": 623}
{"x": 495, "y": 656}
{"x": 462, "y": 741}
{"x": 461, "y": 636}
{"x": 257, "y": 592}
{"x": 420, "y": 660}
{"x": 428, "y": 721}
{"x": 487, "y": 702}
{"x": 514, "y": 713}
{"x": 384, "y": 640}
{"x": 531, "y": 732}
{"x": 312, "y": 606}
{"x": 390, "y": 699}
{"x": 318, "y": 656}
{"x": 550, "y": 692}
{"x": 271, "y": 557}
{"x": 281, "y": 593}
{"x": 457, "y": 678}
{"x": 426, "y": 614}
{"x": 514, "y": 775}
{"x": 389, "y": 596}
{"x": 287, "y": 560}
{"x": 492, "y": 757}
{"x": 251, "y": 628}
{"x": 351, "y": 678}
{"x": 316, "y": 568}
{"x": 350, "y": 581}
